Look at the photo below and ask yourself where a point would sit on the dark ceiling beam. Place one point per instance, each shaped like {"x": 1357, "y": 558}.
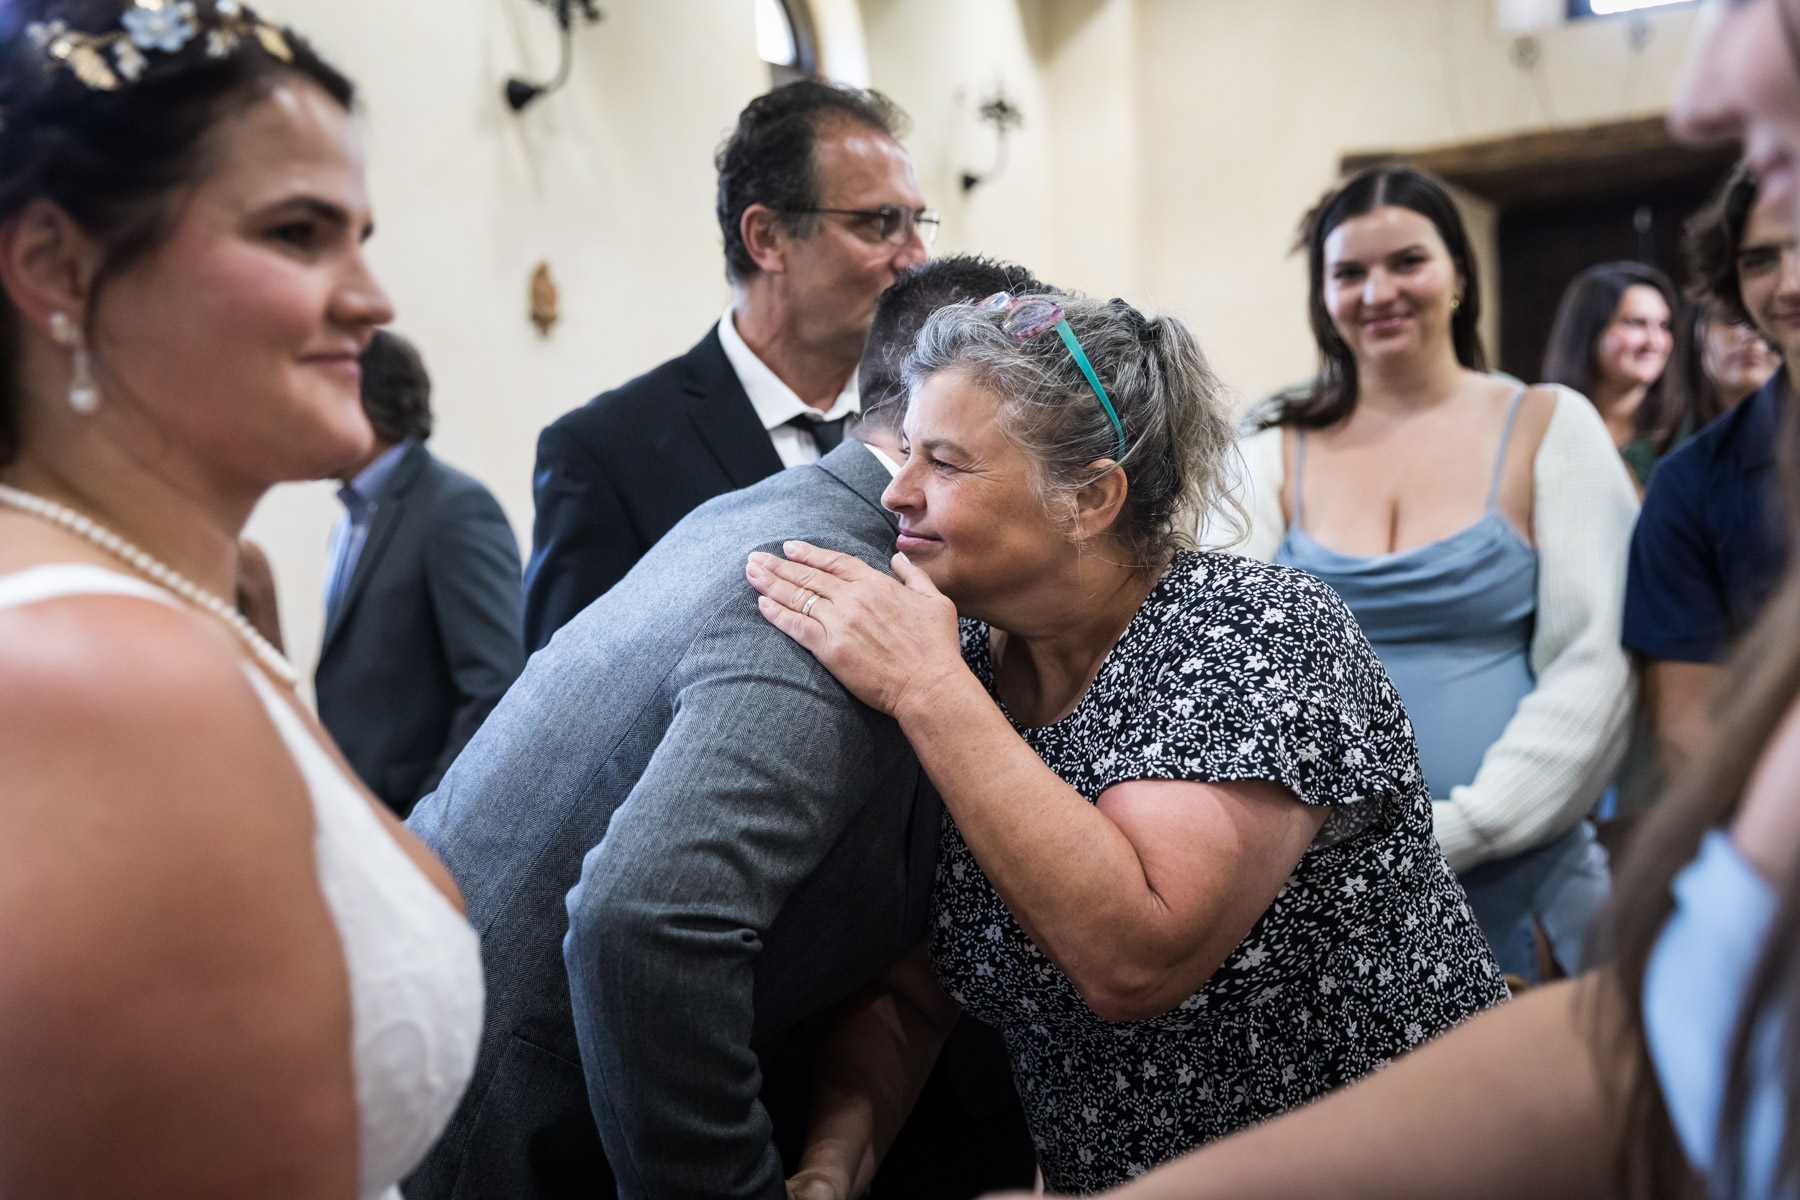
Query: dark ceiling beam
{"x": 1557, "y": 163}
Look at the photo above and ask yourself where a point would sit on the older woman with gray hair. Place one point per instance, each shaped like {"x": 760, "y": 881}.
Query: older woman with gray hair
{"x": 1189, "y": 869}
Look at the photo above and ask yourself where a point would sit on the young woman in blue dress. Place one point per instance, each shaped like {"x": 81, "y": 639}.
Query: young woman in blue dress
{"x": 1478, "y": 530}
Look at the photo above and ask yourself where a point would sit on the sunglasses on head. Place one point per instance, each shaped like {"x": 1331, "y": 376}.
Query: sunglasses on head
{"x": 1027, "y": 316}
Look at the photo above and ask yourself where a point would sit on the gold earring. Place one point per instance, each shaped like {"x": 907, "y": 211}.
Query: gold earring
{"x": 84, "y": 393}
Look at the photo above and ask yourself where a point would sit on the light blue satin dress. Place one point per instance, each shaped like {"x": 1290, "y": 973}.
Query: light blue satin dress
{"x": 1694, "y": 990}
{"x": 1452, "y": 622}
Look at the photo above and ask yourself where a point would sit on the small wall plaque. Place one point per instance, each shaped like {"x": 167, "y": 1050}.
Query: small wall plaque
{"x": 544, "y": 310}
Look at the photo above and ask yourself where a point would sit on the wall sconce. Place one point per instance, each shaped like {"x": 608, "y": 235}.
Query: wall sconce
{"x": 521, "y": 92}
{"x": 1005, "y": 117}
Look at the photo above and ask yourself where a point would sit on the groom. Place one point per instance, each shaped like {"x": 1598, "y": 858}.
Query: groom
{"x": 752, "y": 846}
{"x": 742, "y": 845}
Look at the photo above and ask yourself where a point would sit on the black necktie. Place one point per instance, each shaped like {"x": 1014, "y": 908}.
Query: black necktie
{"x": 826, "y": 434}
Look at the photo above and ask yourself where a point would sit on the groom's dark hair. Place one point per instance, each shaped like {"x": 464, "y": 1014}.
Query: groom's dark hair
{"x": 902, "y": 311}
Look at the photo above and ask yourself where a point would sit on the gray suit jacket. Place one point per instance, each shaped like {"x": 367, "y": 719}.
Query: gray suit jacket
{"x": 741, "y": 845}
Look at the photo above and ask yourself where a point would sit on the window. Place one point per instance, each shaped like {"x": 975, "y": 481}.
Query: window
{"x": 784, "y": 40}
{"x": 1607, "y": 8}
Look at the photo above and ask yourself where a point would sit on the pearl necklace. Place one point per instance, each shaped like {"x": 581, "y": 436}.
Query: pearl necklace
{"x": 271, "y": 659}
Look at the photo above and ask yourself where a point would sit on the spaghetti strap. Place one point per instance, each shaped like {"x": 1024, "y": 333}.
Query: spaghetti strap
{"x": 1512, "y": 414}
{"x": 52, "y": 581}
{"x": 1299, "y": 521}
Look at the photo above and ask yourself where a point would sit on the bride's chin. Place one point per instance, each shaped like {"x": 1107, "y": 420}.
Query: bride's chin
{"x": 329, "y": 450}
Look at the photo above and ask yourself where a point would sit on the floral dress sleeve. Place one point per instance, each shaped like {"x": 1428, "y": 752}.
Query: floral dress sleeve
{"x": 1261, "y": 672}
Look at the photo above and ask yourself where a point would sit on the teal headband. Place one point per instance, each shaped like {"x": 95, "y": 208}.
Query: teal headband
{"x": 1087, "y": 369}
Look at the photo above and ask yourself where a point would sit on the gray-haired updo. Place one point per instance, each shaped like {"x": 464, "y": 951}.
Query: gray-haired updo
{"x": 1178, "y": 430}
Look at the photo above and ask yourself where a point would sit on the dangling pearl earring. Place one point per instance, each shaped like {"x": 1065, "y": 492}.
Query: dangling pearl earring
{"x": 84, "y": 393}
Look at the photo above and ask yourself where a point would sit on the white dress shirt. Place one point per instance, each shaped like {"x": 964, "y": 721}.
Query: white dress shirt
{"x": 777, "y": 404}
{"x": 893, "y": 468}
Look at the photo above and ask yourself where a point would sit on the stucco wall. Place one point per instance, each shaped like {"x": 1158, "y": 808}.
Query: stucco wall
{"x": 1247, "y": 107}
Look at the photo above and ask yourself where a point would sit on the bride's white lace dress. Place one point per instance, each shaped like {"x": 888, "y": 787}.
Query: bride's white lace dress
{"x": 414, "y": 963}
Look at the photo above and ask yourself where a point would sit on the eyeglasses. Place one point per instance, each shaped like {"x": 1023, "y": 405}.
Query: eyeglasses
{"x": 891, "y": 222}
{"x": 1027, "y": 316}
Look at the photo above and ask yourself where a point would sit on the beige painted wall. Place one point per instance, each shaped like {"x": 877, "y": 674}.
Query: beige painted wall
{"x": 940, "y": 60}
{"x": 1246, "y": 108}
{"x": 1169, "y": 147}
{"x": 610, "y": 180}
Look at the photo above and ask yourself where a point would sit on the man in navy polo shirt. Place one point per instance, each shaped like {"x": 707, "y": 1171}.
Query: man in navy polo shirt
{"x": 1709, "y": 543}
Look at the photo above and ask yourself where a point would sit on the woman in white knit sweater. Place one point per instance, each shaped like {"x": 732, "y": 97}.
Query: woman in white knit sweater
{"x": 1478, "y": 530}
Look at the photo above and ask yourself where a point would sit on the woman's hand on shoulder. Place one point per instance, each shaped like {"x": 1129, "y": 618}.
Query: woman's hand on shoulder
{"x": 890, "y": 642}
{"x": 174, "y": 1013}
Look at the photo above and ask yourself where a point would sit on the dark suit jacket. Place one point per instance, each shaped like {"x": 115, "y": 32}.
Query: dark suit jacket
{"x": 617, "y": 473}
{"x": 426, "y": 639}
{"x": 741, "y": 845}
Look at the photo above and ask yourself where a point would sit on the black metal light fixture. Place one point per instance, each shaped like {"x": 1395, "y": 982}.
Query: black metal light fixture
{"x": 1005, "y": 117}
{"x": 521, "y": 92}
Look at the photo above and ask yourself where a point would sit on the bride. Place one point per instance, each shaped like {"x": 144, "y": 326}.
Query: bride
{"x": 225, "y": 971}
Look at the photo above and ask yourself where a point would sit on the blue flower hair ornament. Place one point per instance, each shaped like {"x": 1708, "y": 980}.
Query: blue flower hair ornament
{"x": 107, "y": 61}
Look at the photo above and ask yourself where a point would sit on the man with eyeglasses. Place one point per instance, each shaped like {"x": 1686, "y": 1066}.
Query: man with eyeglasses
{"x": 820, "y": 212}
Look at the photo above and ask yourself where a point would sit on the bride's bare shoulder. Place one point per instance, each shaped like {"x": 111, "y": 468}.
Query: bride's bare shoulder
{"x": 136, "y": 713}
{"x": 158, "y": 882}
{"x": 117, "y": 652}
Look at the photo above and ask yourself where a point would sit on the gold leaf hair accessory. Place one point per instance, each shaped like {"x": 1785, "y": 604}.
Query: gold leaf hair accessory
{"x": 107, "y": 61}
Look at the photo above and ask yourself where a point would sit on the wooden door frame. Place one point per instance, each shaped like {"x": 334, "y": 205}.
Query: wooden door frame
{"x": 1550, "y": 164}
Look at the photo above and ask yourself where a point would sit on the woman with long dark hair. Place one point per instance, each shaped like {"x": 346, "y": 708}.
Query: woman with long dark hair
{"x": 1611, "y": 341}
{"x": 228, "y": 971}
{"x": 1478, "y": 532}
{"x": 1675, "y": 1064}
{"x": 1717, "y": 364}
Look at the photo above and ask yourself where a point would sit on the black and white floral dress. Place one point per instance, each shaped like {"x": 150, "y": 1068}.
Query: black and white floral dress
{"x": 1231, "y": 670}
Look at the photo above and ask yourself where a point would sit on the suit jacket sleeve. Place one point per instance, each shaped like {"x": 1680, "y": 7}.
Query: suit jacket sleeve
{"x": 472, "y": 575}
{"x": 760, "y": 772}
{"x": 582, "y": 539}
